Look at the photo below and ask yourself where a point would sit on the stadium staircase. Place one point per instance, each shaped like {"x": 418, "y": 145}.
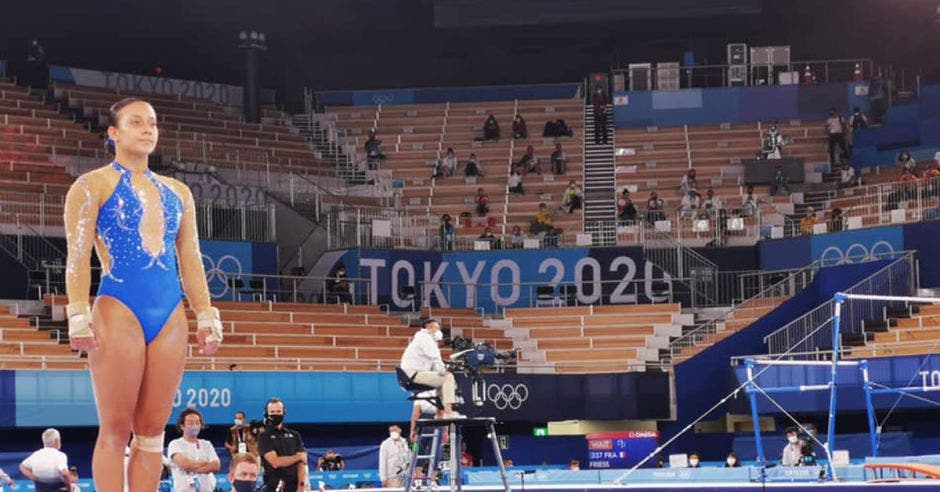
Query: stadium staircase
{"x": 600, "y": 206}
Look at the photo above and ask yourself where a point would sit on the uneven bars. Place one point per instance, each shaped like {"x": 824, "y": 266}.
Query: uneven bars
{"x": 873, "y": 297}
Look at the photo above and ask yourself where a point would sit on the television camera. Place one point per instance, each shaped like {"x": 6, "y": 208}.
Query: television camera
{"x": 471, "y": 359}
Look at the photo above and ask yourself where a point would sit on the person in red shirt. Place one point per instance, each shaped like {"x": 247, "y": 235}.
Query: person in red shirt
{"x": 466, "y": 459}
{"x": 481, "y": 200}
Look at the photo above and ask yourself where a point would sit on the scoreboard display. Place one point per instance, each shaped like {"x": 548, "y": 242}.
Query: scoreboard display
{"x": 620, "y": 449}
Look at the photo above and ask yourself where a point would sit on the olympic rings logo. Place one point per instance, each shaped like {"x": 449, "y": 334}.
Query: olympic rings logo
{"x": 507, "y": 395}
{"x": 382, "y": 98}
{"x": 216, "y": 274}
{"x": 833, "y": 255}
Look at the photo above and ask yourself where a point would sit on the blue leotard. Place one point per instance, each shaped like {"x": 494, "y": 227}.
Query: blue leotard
{"x": 148, "y": 285}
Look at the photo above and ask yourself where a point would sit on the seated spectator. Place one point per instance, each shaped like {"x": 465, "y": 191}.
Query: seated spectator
{"x": 808, "y": 221}
{"x": 447, "y": 232}
{"x": 514, "y": 183}
{"x": 626, "y": 210}
{"x": 732, "y": 461}
{"x": 836, "y": 220}
{"x": 194, "y": 459}
{"x": 779, "y": 182}
{"x": 473, "y": 167}
{"x": 695, "y": 460}
{"x": 688, "y": 183}
{"x": 528, "y": 162}
{"x": 690, "y": 204}
{"x": 373, "y": 147}
{"x": 487, "y": 236}
{"x": 243, "y": 472}
{"x": 552, "y": 237}
{"x": 750, "y": 203}
{"x": 519, "y": 130}
{"x": 712, "y": 204}
{"x": 572, "y": 199}
{"x": 907, "y": 175}
{"x": 934, "y": 171}
{"x": 543, "y": 220}
{"x": 559, "y": 159}
{"x": 793, "y": 451}
{"x": 490, "y": 128}
{"x": 654, "y": 209}
{"x": 481, "y": 199}
{"x": 449, "y": 163}
{"x": 846, "y": 177}
{"x": 438, "y": 169}
{"x": 331, "y": 461}
{"x": 517, "y": 237}
{"x": 907, "y": 162}
{"x": 562, "y": 129}
{"x": 338, "y": 287}
{"x": 466, "y": 459}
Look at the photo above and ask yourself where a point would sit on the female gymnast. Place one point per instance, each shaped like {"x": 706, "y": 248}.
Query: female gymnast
{"x": 144, "y": 229}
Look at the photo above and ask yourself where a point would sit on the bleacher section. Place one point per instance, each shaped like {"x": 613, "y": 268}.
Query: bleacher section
{"x": 918, "y": 334}
{"x": 415, "y": 137}
{"x": 740, "y": 318}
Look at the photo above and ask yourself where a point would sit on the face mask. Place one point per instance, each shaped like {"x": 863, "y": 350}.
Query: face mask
{"x": 275, "y": 420}
{"x": 731, "y": 461}
{"x": 243, "y": 486}
{"x": 693, "y": 462}
{"x": 192, "y": 431}
{"x": 238, "y": 422}
{"x": 438, "y": 335}
{"x": 792, "y": 439}
{"x": 394, "y": 435}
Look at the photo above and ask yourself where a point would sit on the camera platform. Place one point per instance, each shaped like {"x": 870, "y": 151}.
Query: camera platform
{"x": 430, "y": 436}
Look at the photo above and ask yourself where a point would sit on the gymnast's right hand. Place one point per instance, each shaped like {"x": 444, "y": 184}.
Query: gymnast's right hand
{"x": 81, "y": 336}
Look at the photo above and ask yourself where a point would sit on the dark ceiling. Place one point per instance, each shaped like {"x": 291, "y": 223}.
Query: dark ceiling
{"x": 338, "y": 44}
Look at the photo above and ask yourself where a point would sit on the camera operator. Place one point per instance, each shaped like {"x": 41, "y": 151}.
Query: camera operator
{"x": 282, "y": 450}
{"x": 799, "y": 450}
{"x": 423, "y": 363}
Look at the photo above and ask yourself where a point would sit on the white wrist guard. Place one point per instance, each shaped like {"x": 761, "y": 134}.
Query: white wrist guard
{"x": 79, "y": 315}
{"x": 209, "y": 319}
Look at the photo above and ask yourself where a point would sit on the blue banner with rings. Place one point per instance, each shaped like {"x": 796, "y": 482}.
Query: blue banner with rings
{"x": 856, "y": 246}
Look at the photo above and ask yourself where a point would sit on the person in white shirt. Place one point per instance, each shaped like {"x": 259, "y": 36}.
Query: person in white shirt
{"x": 690, "y": 203}
{"x": 835, "y": 129}
{"x": 5, "y": 479}
{"x": 793, "y": 451}
{"x": 712, "y": 203}
{"x": 394, "y": 458}
{"x": 195, "y": 461}
{"x": 48, "y": 467}
{"x": 423, "y": 363}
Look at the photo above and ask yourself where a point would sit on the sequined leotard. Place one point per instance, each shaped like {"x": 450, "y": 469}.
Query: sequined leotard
{"x": 137, "y": 230}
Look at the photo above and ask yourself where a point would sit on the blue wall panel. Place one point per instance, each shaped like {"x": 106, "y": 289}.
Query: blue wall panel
{"x": 761, "y": 104}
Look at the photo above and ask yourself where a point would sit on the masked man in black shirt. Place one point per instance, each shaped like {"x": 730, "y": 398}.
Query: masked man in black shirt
{"x": 282, "y": 451}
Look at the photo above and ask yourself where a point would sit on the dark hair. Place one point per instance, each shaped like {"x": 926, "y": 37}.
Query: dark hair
{"x": 273, "y": 400}
{"x": 695, "y": 453}
{"x": 240, "y": 412}
{"x": 185, "y": 413}
{"x": 118, "y": 106}
{"x": 427, "y": 321}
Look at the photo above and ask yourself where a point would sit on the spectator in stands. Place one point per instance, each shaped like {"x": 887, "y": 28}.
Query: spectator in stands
{"x": 691, "y": 201}
{"x": 5, "y": 479}
{"x": 655, "y": 207}
{"x": 836, "y": 221}
{"x": 626, "y": 210}
{"x": 481, "y": 199}
{"x": 835, "y": 130}
{"x": 732, "y": 461}
{"x": 373, "y": 147}
{"x": 519, "y": 130}
{"x": 283, "y": 455}
{"x": 448, "y": 231}
{"x": 488, "y": 236}
{"x": 695, "y": 461}
{"x": 490, "y": 128}
{"x": 528, "y": 162}
{"x": 574, "y": 465}
{"x": 559, "y": 160}
{"x": 688, "y": 183}
{"x": 240, "y": 439}
{"x": 194, "y": 459}
{"x": 793, "y": 451}
{"x": 422, "y": 363}
{"x": 543, "y": 220}
{"x": 712, "y": 205}
{"x": 338, "y": 287}
{"x": 808, "y": 221}
{"x": 243, "y": 472}
{"x": 750, "y": 203}
{"x": 907, "y": 175}
{"x": 449, "y": 163}
{"x": 48, "y": 467}
{"x": 572, "y": 199}
{"x": 517, "y": 237}
{"x": 934, "y": 171}
{"x": 907, "y": 162}
{"x": 514, "y": 184}
{"x": 556, "y": 129}
{"x": 394, "y": 458}
{"x": 847, "y": 177}
{"x": 858, "y": 120}
{"x": 599, "y": 103}
{"x": 779, "y": 182}
{"x": 466, "y": 459}
{"x": 473, "y": 167}
{"x": 331, "y": 461}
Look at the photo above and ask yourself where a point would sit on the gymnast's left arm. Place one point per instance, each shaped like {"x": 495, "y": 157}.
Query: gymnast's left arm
{"x": 193, "y": 276}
